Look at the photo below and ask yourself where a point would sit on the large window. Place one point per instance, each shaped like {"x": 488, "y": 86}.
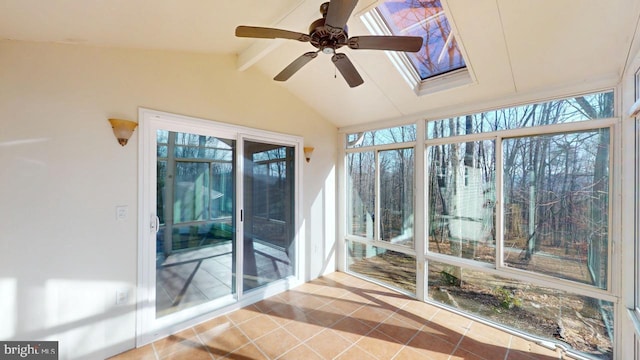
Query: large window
{"x": 381, "y": 183}
{"x": 393, "y": 268}
{"x": 517, "y": 203}
{"x": 582, "y": 322}
{"x": 461, "y": 199}
{"x": 523, "y": 192}
{"x": 560, "y": 111}
{"x": 556, "y": 200}
{"x": 380, "y": 219}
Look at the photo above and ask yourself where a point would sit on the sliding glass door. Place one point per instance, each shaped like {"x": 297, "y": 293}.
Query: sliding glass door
{"x": 195, "y": 247}
{"x": 218, "y": 219}
{"x": 268, "y": 218}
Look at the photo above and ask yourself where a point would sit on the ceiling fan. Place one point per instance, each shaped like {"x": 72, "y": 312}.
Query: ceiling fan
{"x": 328, "y": 35}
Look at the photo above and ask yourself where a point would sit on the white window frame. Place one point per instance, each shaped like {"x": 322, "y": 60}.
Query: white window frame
{"x": 499, "y": 268}
{"x": 631, "y": 218}
{"x": 344, "y": 201}
{"x": 635, "y": 123}
{"x": 615, "y": 253}
{"x": 456, "y": 78}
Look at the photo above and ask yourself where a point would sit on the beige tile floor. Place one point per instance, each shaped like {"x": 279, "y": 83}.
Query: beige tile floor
{"x": 341, "y": 317}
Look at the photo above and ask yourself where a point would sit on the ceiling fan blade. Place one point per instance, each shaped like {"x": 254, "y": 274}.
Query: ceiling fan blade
{"x": 270, "y": 33}
{"x": 296, "y": 65}
{"x": 395, "y": 43}
{"x": 347, "y": 70}
{"x": 339, "y": 12}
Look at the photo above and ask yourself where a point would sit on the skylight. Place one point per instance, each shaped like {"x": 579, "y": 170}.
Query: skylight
{"x": 425, "y": 18}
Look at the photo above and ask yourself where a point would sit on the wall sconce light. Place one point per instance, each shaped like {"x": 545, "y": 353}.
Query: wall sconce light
{"x": 123, "y": 129}
{"x": 308, "y": 150}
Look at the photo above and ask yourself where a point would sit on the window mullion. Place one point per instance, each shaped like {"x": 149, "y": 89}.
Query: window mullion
{"x": 499, "y": 206}
{"x": 377, "y": 214}
{"x": 420, "y": 210}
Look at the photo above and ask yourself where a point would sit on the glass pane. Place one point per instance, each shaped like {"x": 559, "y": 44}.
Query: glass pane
{"x": 272, "y": 154}
{"x": 461, "y": 195}
{"x": 223, "y": 188}
{"x": 361, "y": 194}
{"x": 584, "y": 323}
{"x": 556, "y": 205}
{"x": 162, "y": 151}
{"x": 269, "y": 233}
{"x": 162, "y": 136}
{"x": 192, "y": 192}
{"x": 393, "y": 268}
{"x": 193, "y": 146}
{"x": 396, "y": 135}
{"x": 260, "y": 201}
{"x": 161, "y": 168}
{"x": 195, "y": 242}
{"x": 190, "y": 152}
{"x": 396, "y": 196}
{"x": 426, "y": 19}
{"x": 580, "y": 108}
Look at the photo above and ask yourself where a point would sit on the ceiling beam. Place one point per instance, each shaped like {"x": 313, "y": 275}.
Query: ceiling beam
{"x": 255, "y": 52}
{"x": 297, "y": 19}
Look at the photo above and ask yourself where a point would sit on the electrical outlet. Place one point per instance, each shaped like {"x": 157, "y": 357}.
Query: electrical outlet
{"x": 122, "y": 212}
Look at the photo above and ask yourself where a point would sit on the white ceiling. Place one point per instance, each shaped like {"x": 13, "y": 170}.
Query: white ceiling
{"x": 517, "y": 50}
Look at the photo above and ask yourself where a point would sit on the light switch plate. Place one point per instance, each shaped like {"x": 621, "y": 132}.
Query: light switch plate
{"x": 122, "y": 296}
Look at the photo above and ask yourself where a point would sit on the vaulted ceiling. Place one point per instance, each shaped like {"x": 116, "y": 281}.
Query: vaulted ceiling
{"x": 516, "y": 50}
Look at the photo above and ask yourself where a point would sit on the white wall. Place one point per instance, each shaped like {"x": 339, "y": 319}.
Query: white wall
{"x": 63, "y": 255}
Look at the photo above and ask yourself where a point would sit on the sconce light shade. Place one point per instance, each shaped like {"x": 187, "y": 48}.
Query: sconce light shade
{"x": 308, "y": 150}
{"x": 123, "y": 129}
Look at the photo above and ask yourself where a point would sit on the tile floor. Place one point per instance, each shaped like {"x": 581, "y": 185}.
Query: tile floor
{"x": 341, "y": 317}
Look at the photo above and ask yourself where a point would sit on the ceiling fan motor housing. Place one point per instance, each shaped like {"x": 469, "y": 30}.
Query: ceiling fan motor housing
{"x": 325, "y": 39}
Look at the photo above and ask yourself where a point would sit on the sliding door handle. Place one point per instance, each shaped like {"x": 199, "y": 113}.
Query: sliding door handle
{"x": 155, "y": 223}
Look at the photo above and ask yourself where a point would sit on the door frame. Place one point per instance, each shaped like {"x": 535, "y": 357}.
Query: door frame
{"x": 148, "y": 328}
